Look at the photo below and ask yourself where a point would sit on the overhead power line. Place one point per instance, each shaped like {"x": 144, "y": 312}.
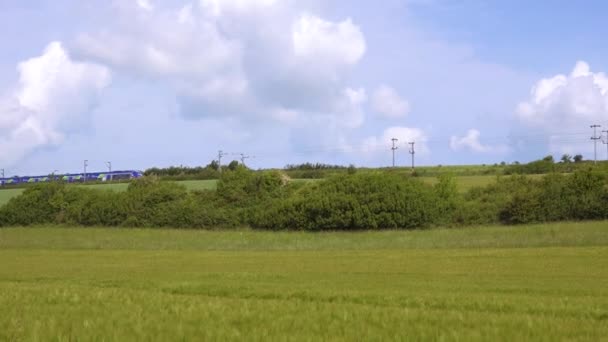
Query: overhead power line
{"x": 595, "y": 138}
{"x": 605, "y": 142}
{"x": 412, "y": 152}
{"x": 394, "y": 148}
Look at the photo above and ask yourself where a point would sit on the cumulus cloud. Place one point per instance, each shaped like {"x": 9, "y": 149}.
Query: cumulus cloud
{"x": 567, "y": 100}
{"x": 387, "y": 103}
{"x": 262, "y": 59}
{"x": 471, "y": 142}
{"x": 339, "y": 43}
{"x": 145, "y": 4}
{"x": 405, "y": 135}
{"x": 48, "y": 102}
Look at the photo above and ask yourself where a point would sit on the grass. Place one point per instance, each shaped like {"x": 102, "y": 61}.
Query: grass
{"x": 465, "y": 183}
{"x": 543, "y": 282}
{"x": 7, "y": 194}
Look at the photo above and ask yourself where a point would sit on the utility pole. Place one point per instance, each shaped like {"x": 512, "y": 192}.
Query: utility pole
{"x": 2, "y": 172}
{"x": 86, "y": 163}
{"x": 605, "y": 142}
{"x": 220, "y": 154}
{"x": 412, "y": 152}
{"x": 109, "y": 164}
{"x": 595, "y": 138}
{"x": 243, "y": 157}
{"x": 394, "y": 148}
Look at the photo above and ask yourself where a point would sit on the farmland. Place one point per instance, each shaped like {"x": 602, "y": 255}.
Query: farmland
{"x": 529, "y": 282}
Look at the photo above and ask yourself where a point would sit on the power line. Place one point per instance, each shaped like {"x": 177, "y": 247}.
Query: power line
{"x": 86, "y": 163}
{"x": 394, "y": 148}
{"x": 109, "y": 164}
{"x": 595, "y": 138}
{"x": 243, "y": 157}
{"x": 220, "y": 154}
{"x": 412, "y": 152}
{"x": 605, "y": 142}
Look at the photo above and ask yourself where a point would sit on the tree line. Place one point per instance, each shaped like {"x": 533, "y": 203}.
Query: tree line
{"x": 347, "y": 201}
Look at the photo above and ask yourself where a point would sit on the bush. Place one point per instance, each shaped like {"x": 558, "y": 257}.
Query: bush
{"x": 486, "y": 205}
{"x": 38, "y": 204}
{"x": 349, "y": 201}
{"x": 359, "y": 201}
{"x": 91, "y": 207}
{"x": 517, "y": 200}
{"x": 243, "y": 187}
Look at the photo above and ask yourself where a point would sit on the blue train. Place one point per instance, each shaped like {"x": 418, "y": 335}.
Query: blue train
{"x": 74, "y": 177}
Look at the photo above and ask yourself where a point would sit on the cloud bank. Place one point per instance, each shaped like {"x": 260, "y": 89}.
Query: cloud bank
{"x": 259, "y": 60}
{"x": 51, "y": 99}
{"x": 566, "y": 103}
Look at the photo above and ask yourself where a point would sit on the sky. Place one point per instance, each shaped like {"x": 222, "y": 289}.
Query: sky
{"x": 145, "y": 83}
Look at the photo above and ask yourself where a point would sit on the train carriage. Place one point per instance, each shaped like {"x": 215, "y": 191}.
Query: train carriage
{"x": 74, "y": 177}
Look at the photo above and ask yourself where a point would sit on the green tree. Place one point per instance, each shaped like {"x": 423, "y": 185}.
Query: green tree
{"x": 233, "y": 165}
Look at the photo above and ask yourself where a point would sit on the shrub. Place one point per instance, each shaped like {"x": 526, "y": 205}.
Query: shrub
{"x": 360, "y": 201}
{"x": 92, "y": 207}
{"x": 37, "y": 204}
{"x": 485, "y": 205}
{"x": 349, "y": 201}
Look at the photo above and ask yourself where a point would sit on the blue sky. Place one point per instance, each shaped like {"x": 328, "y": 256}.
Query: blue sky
{"x": 147, "y": 83}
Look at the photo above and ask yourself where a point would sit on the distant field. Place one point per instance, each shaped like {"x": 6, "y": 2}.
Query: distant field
{"x": 465, "y": 183}
{"x": 544, "y": 282}
{"x": 7, "y": 194}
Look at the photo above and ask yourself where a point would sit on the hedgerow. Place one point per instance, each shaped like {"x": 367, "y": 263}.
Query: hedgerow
{"x": 351, "y": 201}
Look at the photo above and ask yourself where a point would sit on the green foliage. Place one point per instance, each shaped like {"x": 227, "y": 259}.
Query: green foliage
{"x": 233, "y": 165}
{"x": 348, "y": 201}
{"x": 555, "y": 197}
{"x": 37, "y": 204}
{"x": 176, "y": 173}
{"x": 447, "y": 197}
{"x": 542, "y": 166}
{"x": 360, "y": 201}
{"x": 243, "y": 187}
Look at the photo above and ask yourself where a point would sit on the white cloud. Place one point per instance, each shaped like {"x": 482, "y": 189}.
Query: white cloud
{"x": 387, "y": 103}
{"x": 404, "y": 136}
{"x": 573, "y": 100}
{"x": 145, "y": 4}
{"x": 471, "y": 142}
{"x": 242, "y": 59}
{"x": 567, "y": 103}
{"x": 335, "y": 43}
{"x": 48, "y": 102}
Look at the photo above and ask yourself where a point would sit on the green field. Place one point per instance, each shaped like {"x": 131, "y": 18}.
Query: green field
{"x": 7, "y": 194}
{"x": 543, "y": 282}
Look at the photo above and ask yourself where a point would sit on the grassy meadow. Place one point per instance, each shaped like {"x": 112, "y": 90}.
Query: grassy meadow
{"x": 540, "y": 282}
